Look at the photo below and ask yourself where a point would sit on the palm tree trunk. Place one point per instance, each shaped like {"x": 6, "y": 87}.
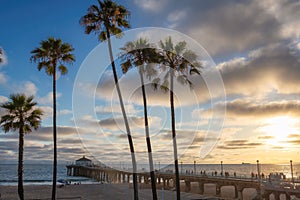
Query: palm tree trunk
{"x": 174, "y": 135}
{"x": 54, "y": 137}
{"x": 20, "y": 164}
{"x": 134, "y": 168}
{"x": 152, "y": 175}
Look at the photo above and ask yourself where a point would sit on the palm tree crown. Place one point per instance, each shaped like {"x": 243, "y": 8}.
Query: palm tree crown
{"x": 20, "y": 114}
{"x": 181, "y": 62}
{"x": 108, "y": 18}
{"x": 141, "y": 54}
{"x": 53, "y": 52}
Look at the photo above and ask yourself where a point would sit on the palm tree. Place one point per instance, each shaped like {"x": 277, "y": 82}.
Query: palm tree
{"x": 181, "y": 63}
{"x": 22, "y": 116}
{"x": 141, "y": 54}
{"x": 1, "y": 54}
{"x": 105, "y": 20}
{"x": 52, "y": 55}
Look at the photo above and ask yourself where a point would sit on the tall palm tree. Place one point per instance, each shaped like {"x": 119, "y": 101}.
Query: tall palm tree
{"x": 52, "y": 55}
{"x": 106, "y": 19}
{"x": 181, "y": 63}
{"x": 22, "y": 116}
{"x": 141, "y": 54}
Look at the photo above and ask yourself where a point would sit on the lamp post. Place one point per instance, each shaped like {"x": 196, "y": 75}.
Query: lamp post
{"x": 221, "y": 168}
{"x": 259, "y": 179}
{"x": 181, "y": 167}
{"x": 292, "y": 173}
{"x": 159, "y": 166}
{"x": 194, "y": 166}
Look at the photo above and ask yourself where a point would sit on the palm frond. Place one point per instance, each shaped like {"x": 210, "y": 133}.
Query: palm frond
{"x": 63, "y": 69}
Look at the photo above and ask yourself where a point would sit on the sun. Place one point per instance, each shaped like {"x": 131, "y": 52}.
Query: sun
{"x": 279, "y": 128}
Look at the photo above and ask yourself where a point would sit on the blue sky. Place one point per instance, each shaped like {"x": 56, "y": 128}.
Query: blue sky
{"x": 255, "y": 45}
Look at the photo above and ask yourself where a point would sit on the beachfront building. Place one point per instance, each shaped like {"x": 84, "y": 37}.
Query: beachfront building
{"x": 83, "y": 161}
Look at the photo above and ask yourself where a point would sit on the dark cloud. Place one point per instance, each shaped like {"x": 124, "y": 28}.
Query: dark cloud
{"x": 278, "y": 148}
{"x": 239, "y": 144}
{"x": 294, "y": 136}
{"x": 72, "y": 141}
{"x": 117, "y": 123}
{"x": 46, "y": 133}
{"x": 233, "y": 27}
{"x": 223, "y": 27}
{"x": 240, "y": 108}
{"x": 266, "y": 137}
{"x": 274, "y": 68}
{"x": 295, "y": 142}
{"x": 9, "y": 145}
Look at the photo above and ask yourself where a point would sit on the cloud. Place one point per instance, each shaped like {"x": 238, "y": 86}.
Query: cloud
{"x": 69, "y": 144}
{"x": 3, "y": 78}
{"x": 131, "y": 91}
{"x": 28, "y": 88}
{"x": 47, "y": 111}
{"x": 175, "y": 17}
{"x": 239, "y": 144}
{"x": 3, "y": 99}
{"x": 263, "y": 71}
{"x": 287, "y": 14}
{"x": 266, "y": 137}
{"x": 116, "y": 109}
{"x": 231, "y": 27}
{"x": 151, "y": 5}
{"x": 64, "y": 112}
{"x": 45, "y": 133}
{"x": 241, "y": 108}
{"x": 225, "y": 27}
{"x": 48, "y": 99}
{"x": 117, "y": 123}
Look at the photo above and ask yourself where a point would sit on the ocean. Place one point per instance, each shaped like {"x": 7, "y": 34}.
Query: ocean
{"x": 35, "y": 174}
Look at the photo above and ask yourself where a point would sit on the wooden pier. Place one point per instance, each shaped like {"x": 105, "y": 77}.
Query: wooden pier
{"x": 167, "y": 181}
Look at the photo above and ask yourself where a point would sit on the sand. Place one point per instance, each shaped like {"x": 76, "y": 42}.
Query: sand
{"x": 118, "y": 191}
{"x": 89, "y": 192}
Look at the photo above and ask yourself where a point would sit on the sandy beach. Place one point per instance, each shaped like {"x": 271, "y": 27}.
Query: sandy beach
{"x": 89, "y": 192}
{"x": 112, "y": 191}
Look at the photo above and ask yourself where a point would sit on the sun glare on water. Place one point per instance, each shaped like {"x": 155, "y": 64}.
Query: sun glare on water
{"x": 279, "y": 128}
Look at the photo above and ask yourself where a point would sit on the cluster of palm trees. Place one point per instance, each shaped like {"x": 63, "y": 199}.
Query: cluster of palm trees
{"x": 109, "y": 18}
{"x": 22, "y": 114}
{"x": 106, "y": 19}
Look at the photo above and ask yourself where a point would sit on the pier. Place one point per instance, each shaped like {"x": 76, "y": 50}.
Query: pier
{"x": 166, "y": 180}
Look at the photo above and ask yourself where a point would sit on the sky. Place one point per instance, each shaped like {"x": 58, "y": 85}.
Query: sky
{"x": 244, "y": 107}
